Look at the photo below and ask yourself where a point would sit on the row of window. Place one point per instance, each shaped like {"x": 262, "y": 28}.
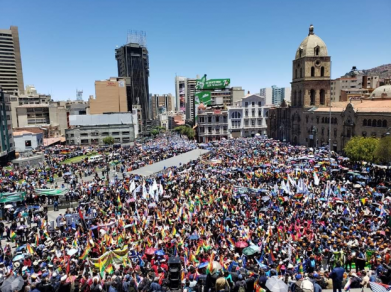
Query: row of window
{"x": 209, "y": 119}
{"x": 253, "y": 104}
{"x": 217, "y": 130}
{"x": 374, "y": 123}
{"x": 298, "y": 100}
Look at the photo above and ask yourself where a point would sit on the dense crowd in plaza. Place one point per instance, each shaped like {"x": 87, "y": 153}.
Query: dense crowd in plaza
{"x": 250, "y": 215}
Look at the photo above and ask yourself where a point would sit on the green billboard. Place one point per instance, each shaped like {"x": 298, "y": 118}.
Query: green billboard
{"x": 203, "y": 84}
{"x": 203, "y": 97}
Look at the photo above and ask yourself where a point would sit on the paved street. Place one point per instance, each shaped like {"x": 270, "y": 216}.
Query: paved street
{"x": 173, "y": 161}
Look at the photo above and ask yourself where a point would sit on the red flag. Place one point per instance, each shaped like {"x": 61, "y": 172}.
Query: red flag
{"x": 68, "y": 265}
{"x": 80, "y": 214}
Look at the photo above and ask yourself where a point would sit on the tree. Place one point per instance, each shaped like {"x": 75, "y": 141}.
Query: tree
{"x": 108, "y": 140}
{"x": 154, "y": 132}
{"x": 186, "y": 130}
{"x": 361, "y": 149}
{"x": 383, "y": 150}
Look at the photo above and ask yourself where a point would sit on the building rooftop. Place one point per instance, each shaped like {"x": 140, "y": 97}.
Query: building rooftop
{"x": 23, "y": 132}
{"x": 362, "y": 106}
{"x": 33, "y": 105}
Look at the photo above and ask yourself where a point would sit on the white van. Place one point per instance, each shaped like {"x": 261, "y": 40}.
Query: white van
{"x": 95, "y": 158}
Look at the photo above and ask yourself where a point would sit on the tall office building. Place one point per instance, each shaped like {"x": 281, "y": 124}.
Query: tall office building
{"x": 11, "y": 74}
{"x": 7, "y": 146}
{"x": 133, "y": 62}
{"x": 275, "y": 95}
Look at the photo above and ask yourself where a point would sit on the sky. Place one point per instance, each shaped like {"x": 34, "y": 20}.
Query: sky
{"x": 67, "y": 45}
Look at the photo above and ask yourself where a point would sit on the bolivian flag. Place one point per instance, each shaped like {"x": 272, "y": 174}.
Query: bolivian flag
{"x": 173, "y": 231}
{"x": 29, "y": 249}
{"x": 13, "y": 235}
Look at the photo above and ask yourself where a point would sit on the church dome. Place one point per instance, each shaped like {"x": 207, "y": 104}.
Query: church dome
{"x": 311, "y": 46}
{"x": 382, "y": 92}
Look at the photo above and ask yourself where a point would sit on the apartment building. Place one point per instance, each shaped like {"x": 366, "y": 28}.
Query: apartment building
{"x": 212, "y": 124}
{"x": 248, "y": 117}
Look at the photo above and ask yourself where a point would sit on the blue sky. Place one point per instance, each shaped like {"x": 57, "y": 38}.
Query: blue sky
{"x": 69, "y": 44}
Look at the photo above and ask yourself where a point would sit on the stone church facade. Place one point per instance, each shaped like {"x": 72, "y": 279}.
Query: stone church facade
{"x": 309, "y": 119}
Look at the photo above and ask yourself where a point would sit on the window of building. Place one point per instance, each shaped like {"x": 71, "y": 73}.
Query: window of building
{"x": 259, "y": 122}
{"x": 296, "y": 73}
{"x": 312, "y": 97}
{"x": 335, "y": 132}
{"x": 105, "y": 133}
{"x": 348, "y": 133}
{"x": 246, "y": 123}
{"x": 126, "y": 133}
{"x": 202, "y": 129}
{"x": 369, "y": 123}
{"x": 83, "y": 135}
{"x": 209, "y": 120}
{"x": 259, "y": 103}
{"x": 322, "y": 71}
{"x": 246, "y": 104}
{"x": 260, "y": 113}
{"x": 210, "y": 130}
{"x": 253, "y": 113}
{"x": 84, "y": 141}
{"x": 201, "y": 119}
{"x": 317, "y": 120}
{"x": 252, "y": 122}
{"x": 253, "y": 103}
{"x": 115, "y": 133}
{"x": 322, "y": 97}
{"x": 317, "y": 51}
{"x": 379, "y": 123}
{"x": 373, "y": 123}
{"x": 312, "y": 71}
{"x": 27, "y": 143}
{"x": 384, "y": 123}
{"x": 236, "y": 115}
{"x": 364, "y": 122}
{"x": 301, "y": 72}
{"x": 246, "y": 113}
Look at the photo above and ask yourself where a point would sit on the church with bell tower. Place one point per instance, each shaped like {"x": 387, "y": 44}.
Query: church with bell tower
{"x": 311, "y": 73}
{"x": 311, "y": 120}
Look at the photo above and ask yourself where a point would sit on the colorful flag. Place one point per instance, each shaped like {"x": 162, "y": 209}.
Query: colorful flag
{"x": 29, "y": 249}
{"x": 109, "y": 269}
{"x": 363, "y": 201}
{"x": 13, "y": 235}
{"x": 119, "y": 202}
{"x": 209, "y": 269}
{"x": 298, "y": 196}
{"x": 173, "y": 231}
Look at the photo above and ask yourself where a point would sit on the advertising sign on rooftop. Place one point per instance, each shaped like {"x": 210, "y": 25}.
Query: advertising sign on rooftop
{"x": 203, "y": 84}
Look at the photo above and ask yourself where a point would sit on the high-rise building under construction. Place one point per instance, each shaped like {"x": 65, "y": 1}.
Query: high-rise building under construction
{"x": 133, "y": 63}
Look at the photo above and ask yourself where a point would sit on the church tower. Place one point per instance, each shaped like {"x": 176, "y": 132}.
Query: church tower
{"x": 311, "y": 73}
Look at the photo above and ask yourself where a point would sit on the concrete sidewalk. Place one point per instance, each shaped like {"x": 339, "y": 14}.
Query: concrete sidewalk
{"x": 173, "y": 161}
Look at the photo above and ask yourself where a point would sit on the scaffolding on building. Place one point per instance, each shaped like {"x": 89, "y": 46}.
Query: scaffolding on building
{"x": 137, "y": 37}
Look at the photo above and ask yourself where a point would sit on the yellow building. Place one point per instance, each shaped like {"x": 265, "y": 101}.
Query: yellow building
{"x": 110, "y": 97}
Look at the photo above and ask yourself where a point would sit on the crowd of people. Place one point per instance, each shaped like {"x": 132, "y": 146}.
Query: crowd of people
{"x": 250, "y": 215}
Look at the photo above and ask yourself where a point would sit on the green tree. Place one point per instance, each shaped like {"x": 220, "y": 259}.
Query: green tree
{"x": 154, "y": 132}
{"x": 361, "y": 149}
{"x": 383, "y": 150}
{"x": 108, "y": 140}
{"x": 185, "y": 130}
